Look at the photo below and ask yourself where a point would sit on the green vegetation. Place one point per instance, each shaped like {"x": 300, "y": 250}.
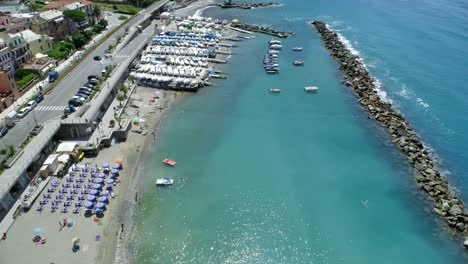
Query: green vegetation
{"x": 22, "y": 77}
{"x": 103, "y": 23}
{"x": 120, "y": 98}
{"x": 75, "y": 15}
{"x": 3, "y": 151}
{"x": 26, "y": 141}
{"x": 124, "y": 89}
{"x": 122, "y": 17}
{"x": 79, "y": 40}
{"x": 61, "y": 50}
{"x": 34, "y": 7}
{"x": 118, "y": 8}
{"x": 2, "y": 168}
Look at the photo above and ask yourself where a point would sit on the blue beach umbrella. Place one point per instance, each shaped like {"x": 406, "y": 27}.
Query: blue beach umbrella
{"x": 102, "y": 199}
{"x": 88, "y": 205}
{"x": 212, "y": 72}
{"x": 94, "y": 192}
{"x": 100, "y": 205}
{"x": 102, "y": 175}
{"x": 114, "y": 171}
{"x": 105, "y": 193}
{"x": 96, "y": 186}
{"x": 37, "y": 230}
{"x": 105, "y": 165}
{"x": 116, "y": 166}
{"x": 98, "y": 180}
{"x": 109, "y": 181}
{"x": 91, "y": 198}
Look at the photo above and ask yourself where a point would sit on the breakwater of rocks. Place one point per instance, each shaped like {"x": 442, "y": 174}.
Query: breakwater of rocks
{"x": 229, "y": 4}
{"x": 446, "y": 202}
{"x": 260, "y": 29}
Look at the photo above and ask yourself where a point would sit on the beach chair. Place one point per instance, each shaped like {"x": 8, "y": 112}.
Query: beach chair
{"x": 40, "y": 208}
{"x": 76, "y": 210}
{"x": 64, "y": 210}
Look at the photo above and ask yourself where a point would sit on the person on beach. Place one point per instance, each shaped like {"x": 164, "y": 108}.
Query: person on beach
{"x": 64, "y": 222}
{"x": 138, "y": 148}
{"x": 4, "y": 236}
{"x": 121, "y": 231}
{"x": 61, "y": 226}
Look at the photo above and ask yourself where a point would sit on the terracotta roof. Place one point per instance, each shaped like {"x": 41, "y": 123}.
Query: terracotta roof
{"x": 62, "y": 3}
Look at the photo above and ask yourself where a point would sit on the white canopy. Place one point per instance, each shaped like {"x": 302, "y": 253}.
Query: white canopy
{"x": 66, "y": 147}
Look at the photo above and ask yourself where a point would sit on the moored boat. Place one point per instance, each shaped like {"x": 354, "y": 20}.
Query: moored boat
{"x": 169, "y": 162}
{"x": 274, "y": 90}
{"x": 298, "y": 62}
{"x": 164, "y": 181}
{"x": 276, "y": 47}
{"x": 297, "y": 49}
{"x": 311, "y": 88}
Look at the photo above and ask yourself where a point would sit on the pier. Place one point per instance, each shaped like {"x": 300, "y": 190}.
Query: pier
{"x": 260, "y": 29}
{"x": 446, "y": 202}
{"x": 230, "y": 4}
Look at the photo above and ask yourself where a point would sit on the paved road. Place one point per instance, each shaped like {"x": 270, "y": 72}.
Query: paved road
{"x": 53, "y": 104}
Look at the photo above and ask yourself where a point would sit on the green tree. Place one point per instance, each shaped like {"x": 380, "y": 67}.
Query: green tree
{"x": 77, "y": 16}
{"x": 124, "y": 89}
{"x": 103, "y": 23}
{"x": 78, "y": 39}
{"x": 97, "y": 12}
{"x": 120, "y": 97}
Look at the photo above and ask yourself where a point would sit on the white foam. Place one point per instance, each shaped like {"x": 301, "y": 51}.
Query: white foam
{"x": 200, "y": 11}
{"x": 377, "y": 83}
{"x": 405, "y": 92}
{"x": 422, "y": 103}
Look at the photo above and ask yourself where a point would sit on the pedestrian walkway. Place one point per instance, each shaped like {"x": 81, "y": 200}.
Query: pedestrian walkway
{"x": 50, "y": 108}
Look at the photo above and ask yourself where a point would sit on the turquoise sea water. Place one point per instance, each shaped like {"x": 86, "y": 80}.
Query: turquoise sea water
{"x": 304, "y": 178}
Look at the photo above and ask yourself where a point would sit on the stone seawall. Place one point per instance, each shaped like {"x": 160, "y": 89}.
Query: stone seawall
{"x": 260, "y": 29}
{"x": 446, "y": 202}
{"x": 247, "y": 5}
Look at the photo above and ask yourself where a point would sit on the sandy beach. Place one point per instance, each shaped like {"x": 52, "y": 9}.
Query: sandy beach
{"x": 98, "y": 239}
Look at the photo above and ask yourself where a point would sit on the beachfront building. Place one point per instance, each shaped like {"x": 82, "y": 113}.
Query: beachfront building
{"x": 85, "y": 6}
{"x": 16, "y": 23}
{"x": 6, "y": 59}
{"x": 8, "y": 89}
{"x": 53, "y": 24}
{"x": 37, "y": 43}
{"x": 18, "y": 46}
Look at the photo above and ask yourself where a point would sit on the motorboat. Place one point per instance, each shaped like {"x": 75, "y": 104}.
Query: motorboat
{"x": 298, "y": 63}
{"x": 276, "y": 47}
{"x": 169, "y": 162}
{"x": 297, "y": 49}
{"x": 274, "y": 90}
{"x": 311, "y": 88}
{"x": 274, "y": 42}
{"x": 164, "y": 181}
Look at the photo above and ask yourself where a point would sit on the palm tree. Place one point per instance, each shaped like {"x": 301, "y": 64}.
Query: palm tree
{"x": 120, "y": 97}
{"x": 97, "y": 12}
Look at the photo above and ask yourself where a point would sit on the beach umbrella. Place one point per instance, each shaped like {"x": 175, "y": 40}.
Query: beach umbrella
{"x": 97, "y": 186}
{"x": 100, "y": 205}
{"x": 37, "y": 230}
{"x": 105, "y": 165}
{"x": 75, "y": 240}
{"x": 116, "y": 166}
{"x": 91, "y": 198}
{"x": 119, "y": 160}
{"x": 88, "y": 205}
{"x": 102, "y": 175}
{"x": 98, "y": 180}
{"x": 102, "y": 199}
{"x": 70, "y": 222}
{"x": 105, "y": 193}
{"x": 114, "y": 171}
{"x": 94, "y": 192}
{"x": 109, "y": 181}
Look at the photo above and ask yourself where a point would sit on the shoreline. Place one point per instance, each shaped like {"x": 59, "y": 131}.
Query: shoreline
{"x": 446, "y": 202}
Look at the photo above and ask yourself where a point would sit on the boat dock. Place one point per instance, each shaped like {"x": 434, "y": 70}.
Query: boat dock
{"x": 240, "y": 30}
{"x": 218, "y": 76}
{"x": 260, "y": 29}
{"x": 216, "y": 61}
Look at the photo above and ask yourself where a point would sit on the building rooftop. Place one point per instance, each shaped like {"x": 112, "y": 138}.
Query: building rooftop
{"x": 63, "y": 3}
{"x": 28, "y": 35}
{"x": 23, "y": 15}
{"x": 51, "y": 14}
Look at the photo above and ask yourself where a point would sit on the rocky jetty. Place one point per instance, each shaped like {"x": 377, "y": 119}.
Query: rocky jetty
{"x": 260, "y": 29}
{"x": 229, "y": 4}
{"x": 446, "y": 202}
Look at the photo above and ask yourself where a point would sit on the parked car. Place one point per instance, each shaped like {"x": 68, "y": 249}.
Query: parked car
{"x": 75, "y": 102}
{"x": 39, "y": 98}
{"x": 91, "y": 86}
{"x": 83, "y": 91}
{"x": 81, "y": 99}
{"x": 68, "y": 110}
{"x": 85, "y": 96}
{"x": 92, "y": 77}
{"x": 31, "y": 105}
{"x": 84, "y": 88}
{"x": 23, "y": 112}
{"x": 98, "y": 58}
{"x": 94, "y": 81}
{"x": 3, "y": 131}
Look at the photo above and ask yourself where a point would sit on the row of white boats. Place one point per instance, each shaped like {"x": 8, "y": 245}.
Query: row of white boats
{"x": 311, "y": 89}
{"x": 200, "y": 52}
{"x": 165, "y": 70}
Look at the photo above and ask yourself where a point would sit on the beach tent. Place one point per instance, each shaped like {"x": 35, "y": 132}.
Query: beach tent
{"x": 66, "y": 147}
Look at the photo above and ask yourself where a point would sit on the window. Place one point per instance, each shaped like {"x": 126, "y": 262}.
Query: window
{"x": 39, "y": 40}
{"x": 41, "y": 48}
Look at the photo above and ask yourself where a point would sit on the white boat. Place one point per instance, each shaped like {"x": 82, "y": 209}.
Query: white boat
{"x": 274, "y": 90}
{"x": 273, "y": 41}
{"x": 311, "y": 88}
{"x": 164, "y": 182}
{"x": 276, "y": 47}
{"x": 273, "y": 52}
{"x": 297, "y": 48}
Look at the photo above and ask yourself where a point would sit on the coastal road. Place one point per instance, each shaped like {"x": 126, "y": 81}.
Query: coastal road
{"x": 53, "y": 104}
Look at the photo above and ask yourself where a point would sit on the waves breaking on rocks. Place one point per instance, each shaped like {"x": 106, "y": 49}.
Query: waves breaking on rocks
{"x": 446, "y": 201}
